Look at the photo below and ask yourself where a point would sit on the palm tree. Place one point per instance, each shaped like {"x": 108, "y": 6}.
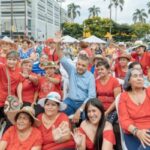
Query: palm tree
{"x": 148, "y": 5}
{"x": 94, "y": 11}
{"x": 116, "y": 4}
{"x": 139, "y": 15}
{"x": 73, "y": 11}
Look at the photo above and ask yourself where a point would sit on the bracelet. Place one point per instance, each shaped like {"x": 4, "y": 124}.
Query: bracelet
{"x": 134, "y": 131}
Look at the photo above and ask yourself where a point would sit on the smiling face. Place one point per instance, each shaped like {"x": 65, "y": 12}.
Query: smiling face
{"x": 93, "y": 114}
{"x": 102, "y": 71}
{"x": 27, "y": 67}
{"x": 136, "y": 80}
{"x": 11, "y": 62}
{"x": 140, "y": 50}
{"x": 81, "y": 66}
{"x": 23, "y": 122}
{"x": 51, "y": 108}
{"x": 123, "y": 61}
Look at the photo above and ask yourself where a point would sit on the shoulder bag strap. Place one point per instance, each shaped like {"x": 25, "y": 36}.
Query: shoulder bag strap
{"x": 9, "y": 84}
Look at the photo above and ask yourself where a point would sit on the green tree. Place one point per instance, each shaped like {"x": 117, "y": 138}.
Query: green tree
{"x": 94, "y": 11}
{"x": 73, "y": 29}
{"x": 73, "y": 11}
{"x": 116, "y": 4}
{"x": 148, "y": 5}
{"x": 140, "y": 29}
{"x": 139, "y": 15}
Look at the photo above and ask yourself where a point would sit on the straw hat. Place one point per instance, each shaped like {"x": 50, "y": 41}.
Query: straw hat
{"x": 27, "y": 109}
{"x": 53, "y": 96}
{"x": 48, "y": 64}
{"x": 98, "y": 56}
{"x": 124, "y": 55}
{"x": 139, "y": 44}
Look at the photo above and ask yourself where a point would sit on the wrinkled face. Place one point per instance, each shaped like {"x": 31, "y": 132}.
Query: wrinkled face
{"x": 123, "y": 62}
{"x": 136, "y": 80}
{"x": 140, "y": 50}
{"x": 23, "y": 122}
{"x": 51, "y": 108}
{"x": 81, "y": 66}
{"x": 27, "y": 67}
{"x": 11, "y": 62}
{"x": 94, "y": 114}
{"x": 138, "y": 67}
{"x": 102, "y": 71}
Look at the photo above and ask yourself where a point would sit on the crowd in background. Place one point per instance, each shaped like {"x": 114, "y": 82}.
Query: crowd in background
{"x": 68, "y": 95}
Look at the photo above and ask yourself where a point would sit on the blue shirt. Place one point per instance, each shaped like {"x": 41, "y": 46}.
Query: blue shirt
{"x": 36, "y": 69}
{"x": 81, "y": 87}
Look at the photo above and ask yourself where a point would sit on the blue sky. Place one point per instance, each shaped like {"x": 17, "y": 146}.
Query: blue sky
{"x": 123, "y": 17}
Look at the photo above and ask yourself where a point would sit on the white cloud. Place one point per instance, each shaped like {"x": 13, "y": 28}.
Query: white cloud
{"x": 123, "y": 17}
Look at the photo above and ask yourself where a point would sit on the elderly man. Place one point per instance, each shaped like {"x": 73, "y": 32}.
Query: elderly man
{"x": 81, "y": 84}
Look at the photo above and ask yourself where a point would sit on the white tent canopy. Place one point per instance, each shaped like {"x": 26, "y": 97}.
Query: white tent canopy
{"x": 93, "y": 39}
{"x": 69, "y": 39}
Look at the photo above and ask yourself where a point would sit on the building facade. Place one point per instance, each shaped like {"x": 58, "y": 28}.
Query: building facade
{"x": 39, "y": 19}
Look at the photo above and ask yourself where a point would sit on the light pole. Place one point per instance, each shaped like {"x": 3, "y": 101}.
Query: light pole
{"x": 11, "y": 24}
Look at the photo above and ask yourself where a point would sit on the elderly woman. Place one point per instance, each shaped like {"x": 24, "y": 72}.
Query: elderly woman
{"x": 22, "y": 135}
{"x": 55, "y": 125}
{"x": 141, "y": 55}
{"x": 94, "y": 133}
{"x": 121, "y": 66}
{"x": 29, "y": 83}
{"x": 134, "y": 116}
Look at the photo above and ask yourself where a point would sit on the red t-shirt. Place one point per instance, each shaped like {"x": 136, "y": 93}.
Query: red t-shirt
{"x": 28, "y": 89}
{"x": 130, "y": 113}
{"x": 105, "y": 93}
{"x": 46, "y": 86}
{"x": 48, "y": 141}
{"x": 107, "y": 135}
{"x": 51, "y": 56}
{"x": 3, "y": 60}
{"x": 119, "y": 73}
{"x": 14, "y": 143}
{"x": 144, "y": 60}
{"x": 15, "y": 78}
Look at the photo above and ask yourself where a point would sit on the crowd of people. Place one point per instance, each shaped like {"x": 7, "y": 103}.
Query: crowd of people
{"x": 67, "y": 92}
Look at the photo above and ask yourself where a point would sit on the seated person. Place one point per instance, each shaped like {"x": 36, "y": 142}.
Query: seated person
{"x": 22, "y": 135}
{"x": 94, "y": 133}
{"x": 55, "y": 125}
{"x": 134, "y": 116}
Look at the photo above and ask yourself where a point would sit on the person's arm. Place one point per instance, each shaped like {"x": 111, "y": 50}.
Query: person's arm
{"x": 19, "y": 92}
{"x": 55, "y": 79}
{"x": 112, "y": 106}
{"x": 123, "y": 114}
{"x": 91, "y": 94}
{"x": 33, "y": 79}
{"x": 3, "y": 145}
{"x": 107, "y": 144}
